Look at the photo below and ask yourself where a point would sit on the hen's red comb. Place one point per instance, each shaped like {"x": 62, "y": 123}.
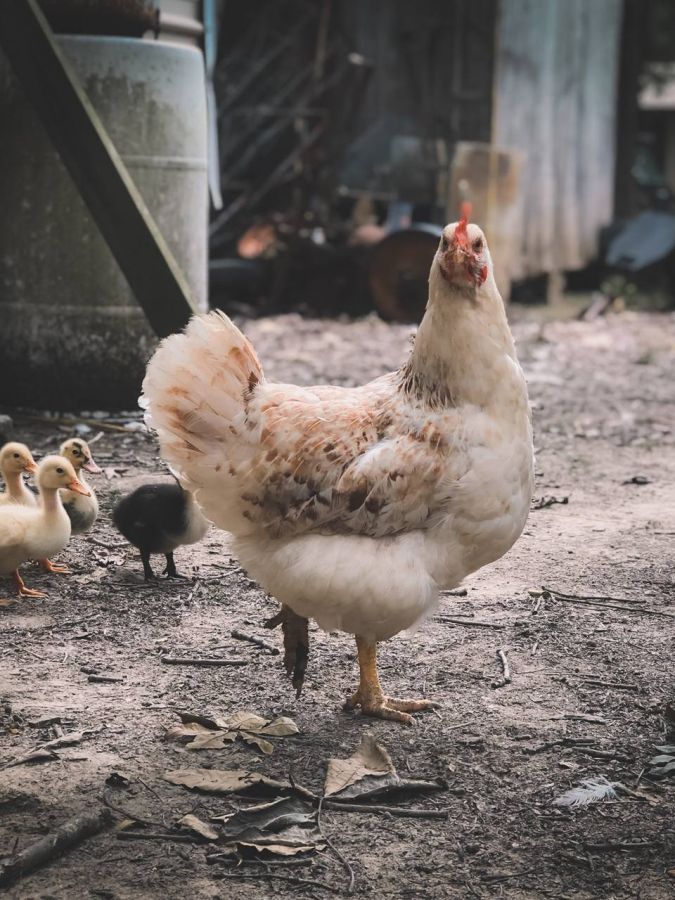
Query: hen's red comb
{"x": 460, "y": 230}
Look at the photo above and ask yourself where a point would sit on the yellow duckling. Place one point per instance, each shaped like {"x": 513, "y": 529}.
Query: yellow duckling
{"x": 82, "y": 510}
{"x": 15, "y": 459}
{"x": 41, "y": 531}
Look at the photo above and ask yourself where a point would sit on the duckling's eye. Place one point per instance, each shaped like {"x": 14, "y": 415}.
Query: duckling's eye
{"x": 478, "y": 245}
{"x": 76, "y": 453}
{"x": 60, "y": 471}
{"x": 16, "y": 456}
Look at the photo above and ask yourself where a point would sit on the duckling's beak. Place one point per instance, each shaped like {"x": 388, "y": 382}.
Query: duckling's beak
{"x": 90, "y": 466}
{"x": 79, "y": 488}
{"x": 31, "y": 467}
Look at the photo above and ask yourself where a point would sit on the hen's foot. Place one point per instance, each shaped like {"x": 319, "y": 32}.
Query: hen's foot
{"x": 48, "y": 566}
{"x": 24, "y": 591}
{"x": 370, "y": 696}
{"x": 383, "y": 707}
{"x": 296, "y": 644}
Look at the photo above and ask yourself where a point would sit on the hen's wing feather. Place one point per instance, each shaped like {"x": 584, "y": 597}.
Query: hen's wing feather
{"x": 284, "y": 460}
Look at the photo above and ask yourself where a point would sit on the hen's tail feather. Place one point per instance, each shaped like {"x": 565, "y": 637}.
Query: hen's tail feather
{"x": 195, "y": 392}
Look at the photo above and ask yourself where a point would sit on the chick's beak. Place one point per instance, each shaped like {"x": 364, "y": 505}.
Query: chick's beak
{"x": 31, "y": 467}
{"x": 90, "y": 466}
{"x": 79, "y": 488}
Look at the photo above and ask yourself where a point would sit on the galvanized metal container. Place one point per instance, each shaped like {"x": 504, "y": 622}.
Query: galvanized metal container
{"x": 73, "y": 335}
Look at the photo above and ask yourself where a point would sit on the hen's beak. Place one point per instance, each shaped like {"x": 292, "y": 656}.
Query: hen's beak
{"x": 90, "y": 466}
{"x": 79, "y": 488}
{"x": 31, "y": 467}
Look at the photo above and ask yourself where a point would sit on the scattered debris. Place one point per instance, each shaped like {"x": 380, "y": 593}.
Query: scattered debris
{"x": 105, "y": 679}
{"x": 550, "y": 594}
{"x": 54, "y": 844}
{"x": 506, "y": 671}
{"x": 664, "y": 764}
{"x": 549, "y": 500}
{"x": 637, "y": 479}
{"x": 197, "y": 661}
{"x": 252, "y": 639}
{"x": 590, "y": 791}
{"x": 202, "y": 733}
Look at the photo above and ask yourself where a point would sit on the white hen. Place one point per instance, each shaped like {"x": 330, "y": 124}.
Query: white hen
{"x": 356, "y": 506}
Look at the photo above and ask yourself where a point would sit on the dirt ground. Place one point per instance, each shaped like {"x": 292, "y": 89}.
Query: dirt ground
{"x": 604, "y": 412}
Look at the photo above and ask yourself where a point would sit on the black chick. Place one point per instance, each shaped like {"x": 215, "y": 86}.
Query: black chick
{"x": 157, "y": 518}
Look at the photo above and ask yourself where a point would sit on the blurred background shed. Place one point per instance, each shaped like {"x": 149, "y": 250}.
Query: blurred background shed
{"x": 334, "y": 139}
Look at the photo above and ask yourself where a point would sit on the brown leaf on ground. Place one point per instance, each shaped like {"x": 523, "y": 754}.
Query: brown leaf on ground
{"x": 199, "y": 827}
{"x": 226, "y": 781}
{"x": 204, "y": 733}
{"x": 370, "y": 773}
{"x": 370, "y": 759}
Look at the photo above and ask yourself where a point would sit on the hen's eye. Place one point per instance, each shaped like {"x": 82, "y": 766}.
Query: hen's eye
{"x": 444, "y": 243}
{"x": 478, "y": 245}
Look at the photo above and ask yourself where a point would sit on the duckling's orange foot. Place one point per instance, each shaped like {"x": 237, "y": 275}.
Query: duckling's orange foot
{"x": 48, "y": 566}
{"x": 24, "y": 591}
{"x": 296, "y": 644}
{"x": 382, "y": 707}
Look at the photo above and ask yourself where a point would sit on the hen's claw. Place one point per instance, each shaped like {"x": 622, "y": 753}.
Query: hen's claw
{"x": 370, "y": 696}
{"x": 24, "y": 591}
{"x": 392, "y": 708}
{"x": 48, "y": 566}
{"x": 296, "y": 644}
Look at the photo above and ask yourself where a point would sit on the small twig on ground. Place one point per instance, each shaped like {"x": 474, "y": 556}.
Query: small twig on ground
{"x": 640, "y": 610}
{"x": 340, "y": 856}
{"x": 506, "y": 671}
{"x": 54, "y": 844}
{"x": 478, "y": 623}
{"x": 598, "y": 597}
{"x": 400, "y": 811}
{"x": 105, "y": 679}
{"x": 198, "y": 661}
{"x": 456, "y": 592}
{"x": 192, "y": 838}
{"x": 618, "y": 685}
{"x": 602, "y": 754}
{"x": 252, "y": 639}
{"x": 118, "y": 546}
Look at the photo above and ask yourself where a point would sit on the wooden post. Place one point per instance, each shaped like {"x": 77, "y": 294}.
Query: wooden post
{"x": 95, "y": 166}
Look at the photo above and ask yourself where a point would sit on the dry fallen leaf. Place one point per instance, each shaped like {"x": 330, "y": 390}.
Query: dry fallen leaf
{"x": 370, "y": 759}
{"x": 284, "y": 827}
{"x": 370, "y": 773}
{"x": 197, "y": 825}
{"x": 226, "y": 781}
{"x": 256, "y": 741}
{"x": 204, "y": 733}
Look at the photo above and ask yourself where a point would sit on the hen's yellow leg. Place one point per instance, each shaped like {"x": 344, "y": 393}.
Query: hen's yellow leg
{"x": 370, "y": 696}
{"x": 48, "y": 566}
{"x": 21, "y": 588}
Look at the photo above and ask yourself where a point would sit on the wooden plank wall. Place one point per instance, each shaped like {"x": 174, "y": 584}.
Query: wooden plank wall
{"x": 556, "y": 72}
{"x": 431, "y": 77}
